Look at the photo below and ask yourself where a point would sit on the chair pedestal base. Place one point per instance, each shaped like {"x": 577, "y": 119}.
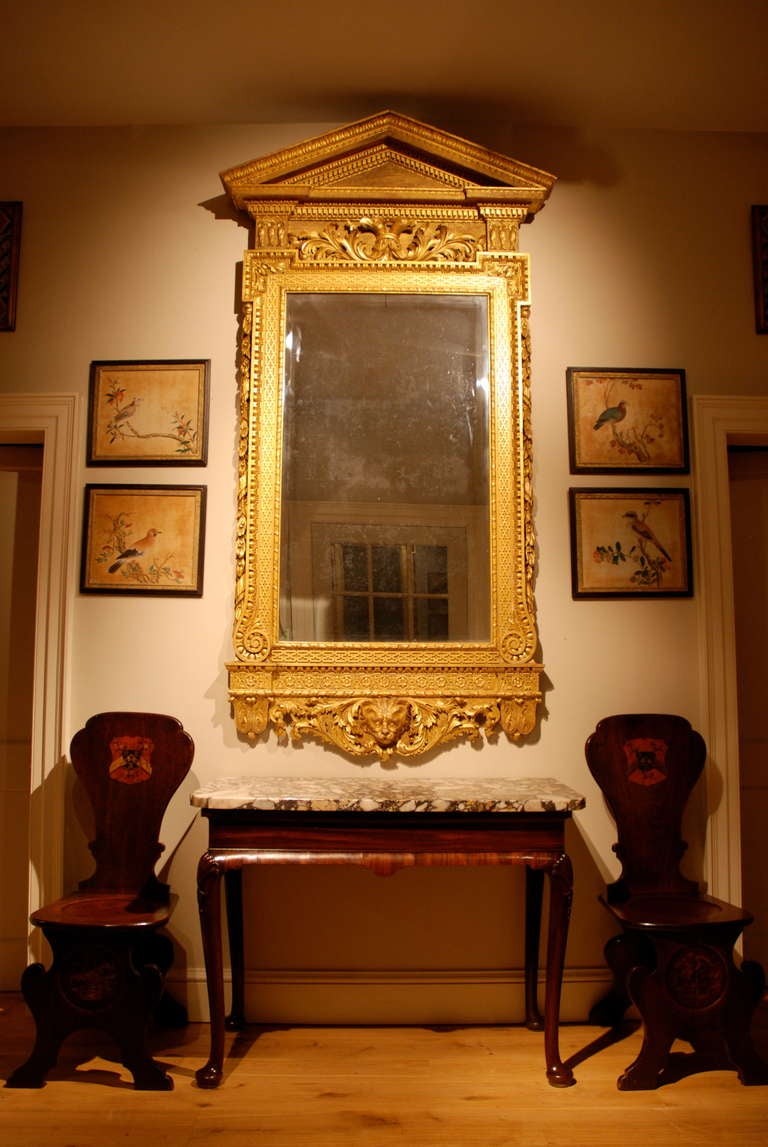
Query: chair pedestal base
{"x": 687, "y": 987}
{"x": 103, "y": 978}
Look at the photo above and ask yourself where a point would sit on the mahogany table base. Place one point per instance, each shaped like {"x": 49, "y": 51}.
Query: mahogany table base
{"x": 384, "y": 842}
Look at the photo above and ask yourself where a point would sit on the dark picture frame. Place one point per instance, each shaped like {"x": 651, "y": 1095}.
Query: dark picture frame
{"x": 630, "y": 542}
{"x": 759, "y": 217}
{"x": 10, "y": 252}
{"x": 148, "y": 413}
{"x": 627, "y": 420}
{"x": 143, "y": 539}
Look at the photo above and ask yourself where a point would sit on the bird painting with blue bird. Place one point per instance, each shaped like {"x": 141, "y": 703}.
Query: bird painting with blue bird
{"x": 611, "y": 414}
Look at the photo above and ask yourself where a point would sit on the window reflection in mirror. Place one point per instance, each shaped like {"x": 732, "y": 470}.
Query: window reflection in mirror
{"x": 385, "y": 469}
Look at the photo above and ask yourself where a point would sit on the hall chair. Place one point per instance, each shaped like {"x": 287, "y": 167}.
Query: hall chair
{"x": 674, "y": 956}
{"x": 109, "y": 954}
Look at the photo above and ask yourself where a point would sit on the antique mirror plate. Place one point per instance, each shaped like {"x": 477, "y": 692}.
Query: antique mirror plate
{"x": 385, "y": 488}
{"x": 385, "y": 544}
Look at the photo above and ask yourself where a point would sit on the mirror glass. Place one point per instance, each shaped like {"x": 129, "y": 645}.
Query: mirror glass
{"x": 385, "y": 468}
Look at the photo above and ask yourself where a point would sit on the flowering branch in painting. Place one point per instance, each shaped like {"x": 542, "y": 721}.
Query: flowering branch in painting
{"x": 121, "y": 421}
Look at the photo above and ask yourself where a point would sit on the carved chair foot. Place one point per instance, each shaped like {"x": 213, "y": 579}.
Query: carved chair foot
{"x": 639, "y": 1079}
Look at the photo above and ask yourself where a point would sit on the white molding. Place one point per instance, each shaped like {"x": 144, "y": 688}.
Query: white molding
{"x": 52, "y": 419}
{"x": 720, "y": 420}
{"x": 465, "y": 996}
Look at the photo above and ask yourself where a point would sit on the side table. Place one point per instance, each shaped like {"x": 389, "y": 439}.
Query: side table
{"x": 385, "y": 825}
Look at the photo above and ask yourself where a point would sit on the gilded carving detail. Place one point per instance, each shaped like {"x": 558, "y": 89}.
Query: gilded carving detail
{"x": 256, "y": 272}
{"x": 270, "y": 232}
{"x": 529, "y": 529}
{"x": 385, "y": 726}
{"x": 503, "y": 226}
{"x": 376, "y": 240}
{"x": 518, "y": 715}
{"x": 387, "y": 716}
{"x": 510, "y": 267}
{"x": 251, "y": 715}
{"x": 246, "y": 347}
{"x": 382, "y": 726}
{"x": 371, "y": 162}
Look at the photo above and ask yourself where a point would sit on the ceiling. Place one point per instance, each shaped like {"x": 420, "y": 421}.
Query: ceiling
{"x": 650, "y": 64}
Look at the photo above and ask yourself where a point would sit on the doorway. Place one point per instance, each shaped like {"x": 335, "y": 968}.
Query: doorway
{"x": 748, "y": 480}
{"x": 53, "y": 421}
{"x": 21, "y": 474}
{"x": 720, "y": 421}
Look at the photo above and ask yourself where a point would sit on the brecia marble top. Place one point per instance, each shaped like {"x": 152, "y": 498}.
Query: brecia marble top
{"x": 297, "y": 794}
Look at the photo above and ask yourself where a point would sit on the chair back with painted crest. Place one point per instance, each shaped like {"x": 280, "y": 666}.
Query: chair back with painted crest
{"x": 646, "y": 765}
{"x": 130, "y": 765}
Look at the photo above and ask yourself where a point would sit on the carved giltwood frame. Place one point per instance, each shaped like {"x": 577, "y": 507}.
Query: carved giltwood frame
{"x": 387, "y": 204}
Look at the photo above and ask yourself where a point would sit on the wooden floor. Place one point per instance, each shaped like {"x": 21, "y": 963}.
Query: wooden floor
{"x": 372, "y": 1087}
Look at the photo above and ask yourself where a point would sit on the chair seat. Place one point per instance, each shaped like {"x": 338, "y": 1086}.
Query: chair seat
{"x": 657, "y": 911}
{"x": 103, "y": 909}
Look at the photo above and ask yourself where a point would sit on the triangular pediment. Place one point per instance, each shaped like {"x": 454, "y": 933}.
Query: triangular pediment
{"x": 382, "y": 155}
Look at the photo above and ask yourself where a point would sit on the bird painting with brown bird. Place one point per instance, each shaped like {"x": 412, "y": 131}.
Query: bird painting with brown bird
{"x": 136, "y": 550}
{"x": 644, "y": 532}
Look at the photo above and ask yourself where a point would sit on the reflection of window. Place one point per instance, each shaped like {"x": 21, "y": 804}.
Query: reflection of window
{"x": 407, "y": 562}
{"x": 389, "y": 592}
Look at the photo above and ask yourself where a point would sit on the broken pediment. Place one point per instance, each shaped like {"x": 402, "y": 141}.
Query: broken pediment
{"x": 389, "y": 158}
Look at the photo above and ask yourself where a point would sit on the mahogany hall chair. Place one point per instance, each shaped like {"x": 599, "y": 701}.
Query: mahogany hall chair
{"x": 674, "y": 956}
{"x": 109, "y": 956}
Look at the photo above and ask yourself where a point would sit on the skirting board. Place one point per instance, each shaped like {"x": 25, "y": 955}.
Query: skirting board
{"x": 391, "y": 997}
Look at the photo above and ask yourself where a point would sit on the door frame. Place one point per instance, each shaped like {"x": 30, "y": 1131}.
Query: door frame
{"x": 720, "y": 421}
{"x": 53, "y": 420}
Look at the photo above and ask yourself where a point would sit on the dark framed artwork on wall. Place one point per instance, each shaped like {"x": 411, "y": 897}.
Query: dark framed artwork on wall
{"x": 630, "y": 543}
{"x": 626, "y": 421}
{"x": 143, "y": 540}
{"x": 10, "y": 248}
{"x": 760, "y": 266}
{"x": 148, "y": 413}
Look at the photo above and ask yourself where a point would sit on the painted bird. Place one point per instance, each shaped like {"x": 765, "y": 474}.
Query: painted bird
{"x": 612, "y": 414}
{"x": 127, "y": 411}
{"x": 645, "y": 533}
{"x": 136, "y": 550}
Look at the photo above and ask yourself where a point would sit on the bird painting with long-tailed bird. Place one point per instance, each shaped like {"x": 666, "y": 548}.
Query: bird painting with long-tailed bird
{"x": 645, "y": 534}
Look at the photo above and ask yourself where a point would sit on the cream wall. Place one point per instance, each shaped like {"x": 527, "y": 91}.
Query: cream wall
{"x": 641, "y": 258}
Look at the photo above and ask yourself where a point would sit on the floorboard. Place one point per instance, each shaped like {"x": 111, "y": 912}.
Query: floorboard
{"x": 372, "y": 1087}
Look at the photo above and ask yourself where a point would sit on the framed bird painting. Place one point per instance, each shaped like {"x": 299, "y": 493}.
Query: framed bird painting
{"x": 143, "y": 540}
{"x": 627, "y": 421}
{"x": 148, "y": 413}
{"x": 630, "y": 543}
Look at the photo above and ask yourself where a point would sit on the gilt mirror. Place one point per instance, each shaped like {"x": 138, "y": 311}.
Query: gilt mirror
{"x": 385, "y": 542}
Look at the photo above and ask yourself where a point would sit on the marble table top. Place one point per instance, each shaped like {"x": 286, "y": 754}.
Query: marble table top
{"x": 297, "y": 794}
